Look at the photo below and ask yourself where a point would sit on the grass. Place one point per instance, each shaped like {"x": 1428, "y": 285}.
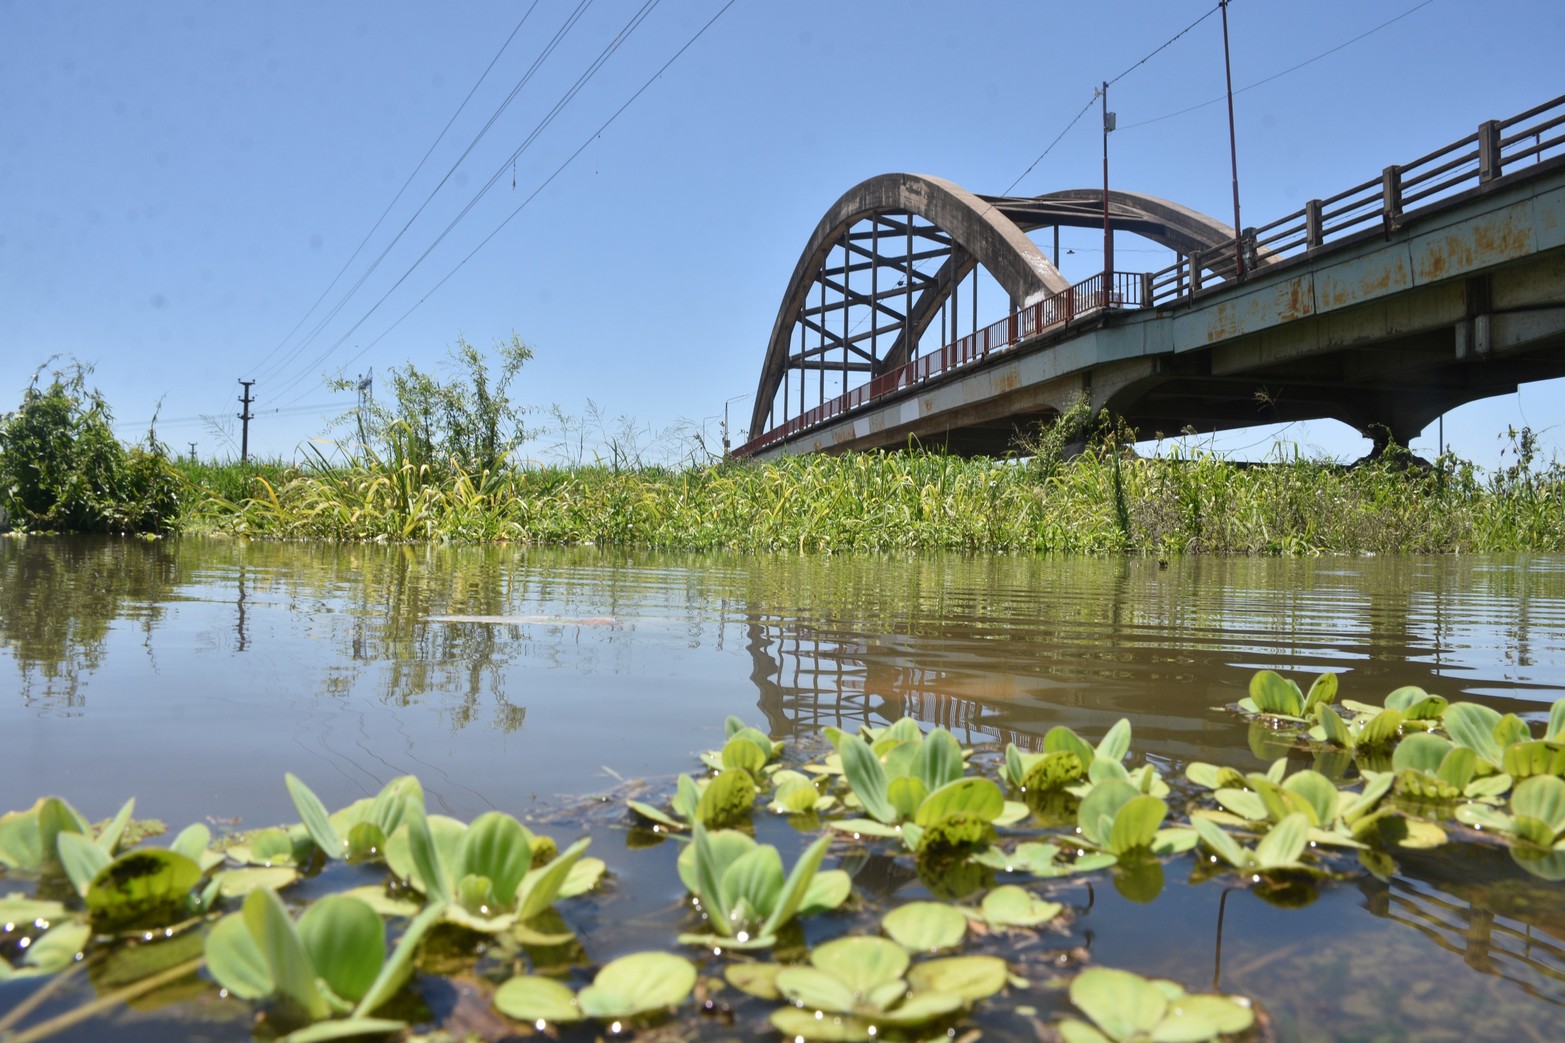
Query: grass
{"x": 1100, "y": 502}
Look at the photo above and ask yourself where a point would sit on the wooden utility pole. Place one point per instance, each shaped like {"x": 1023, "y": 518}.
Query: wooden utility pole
{"x": 246, "y": 416}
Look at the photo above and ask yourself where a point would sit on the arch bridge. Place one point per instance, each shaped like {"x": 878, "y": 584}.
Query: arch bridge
{"x": 1435, "y": 283}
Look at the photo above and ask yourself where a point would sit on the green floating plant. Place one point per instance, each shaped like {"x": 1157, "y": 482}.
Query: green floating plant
{"x": 1275, "y": 696}
{"x": 795, "y": 793}
{"x": 29, "y": 839}
{"x": 1432, "y": 768}
{"x": 1280, "y": 849}
{"x": 1120, "y": 820}
{"x": 861, "y": 988}
{"x": 358, "y": 832}
{"x": 743, "y": 747}
{"x": 743, "y": 893}
{"x": 142, "y": 889}
{"x": 1535, "y": 827}
{"x": 916, "y": 789}
{"x": 490, "y": 875}
{"x": 633, "y": 986}
{"x": 1127, "y": 1008}
{"x": 724, "y": 800}
{"x": 328, "y": 972}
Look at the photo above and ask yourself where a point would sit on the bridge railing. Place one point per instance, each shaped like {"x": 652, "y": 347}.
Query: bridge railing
{"x": 1127, "y": 290}
{"x": 1497, "y": 147}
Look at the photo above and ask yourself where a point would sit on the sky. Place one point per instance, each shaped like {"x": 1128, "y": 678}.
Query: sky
{"x": 194, "y": 194}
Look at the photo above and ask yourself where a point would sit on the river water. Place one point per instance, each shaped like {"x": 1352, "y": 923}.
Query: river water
{"x": 193, "y": 673}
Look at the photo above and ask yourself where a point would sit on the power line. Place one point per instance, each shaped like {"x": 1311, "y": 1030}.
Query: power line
{"x": 1277, "y": 75}
{"x": 559, "y": 106}
{"x": 396, "y": 198}
{"x": 554, "y": 42}
{"x": 557, "y": 171}
{"x": 1164, "y": 44}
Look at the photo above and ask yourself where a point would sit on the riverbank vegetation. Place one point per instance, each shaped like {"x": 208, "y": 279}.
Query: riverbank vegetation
{"x": 441, "y": 464}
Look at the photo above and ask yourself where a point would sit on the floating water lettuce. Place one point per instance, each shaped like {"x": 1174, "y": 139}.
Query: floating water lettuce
{"x": 717, "y": 803}
{"x": 857, "y": 988}
{"x": 1117, "y": 818}
{"x": 1429, "y": 767}
{"x": 358, "y": 832}
{"x": 330, "y": 967}
{"x": 1280, "y": 849}
{"x": 1277, "y": 696}
{"x": 1127, "y": 1008}
{"x": 925, "y": 926}
{"x": 486, "y": 876}
{"x": 630, "y": 987}
{"x": 743, "y": 747}
{"x": 29, "y": 839}
{"x": 795, "y": 793}
{"x": 742, "y": 891}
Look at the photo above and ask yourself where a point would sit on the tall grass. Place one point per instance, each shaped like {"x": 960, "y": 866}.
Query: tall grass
{"x": 1100, "y": 502}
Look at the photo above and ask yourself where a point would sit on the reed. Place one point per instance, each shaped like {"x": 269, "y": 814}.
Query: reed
{"x": 1102, "y": 501}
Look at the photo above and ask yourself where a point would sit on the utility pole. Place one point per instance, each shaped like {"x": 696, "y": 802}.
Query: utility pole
{"x": 1108, "y": 232}
{"x": 366, "y": 394}
{"x": 244, "y": 437}
{"x": 192, "y": 452}
{"x": 1233, "y": 147}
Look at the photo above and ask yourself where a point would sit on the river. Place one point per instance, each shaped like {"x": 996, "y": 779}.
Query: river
{"x": 192, "y": 673}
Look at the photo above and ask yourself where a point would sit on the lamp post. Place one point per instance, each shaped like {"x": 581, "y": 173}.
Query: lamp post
{"x": 1108, "y": 232}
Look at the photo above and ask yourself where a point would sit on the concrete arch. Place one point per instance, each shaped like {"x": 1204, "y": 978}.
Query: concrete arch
{"x": 981, "y": 231}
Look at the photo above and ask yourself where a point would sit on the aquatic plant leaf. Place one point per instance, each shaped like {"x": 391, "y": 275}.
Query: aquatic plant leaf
{"x": 1545, "y": 864}
{"x": 972, "y": 978}
{"x": 1488, "y": 785}
{"x": 1098, "y": 808}
{"x": 1472, "y": 725}
{"x": 795, "y": 891}
{"x": 346, "y": 943}
{"x": 754, "y": 979}
{"x": 1380, "y": 729}
{"x": 905, "y": 793}
{"x": 859, "y": 963}
{"x": 1322, "y": 690}
{"x": 1511, "y": 729}
{"x": 796, "y": 1023}
{"x": 752, "y": 885}
{"x": 1540, "y": 757}
{"x": 145, "y": 887}
{"x": 1421, "y": 752}
{"x": 867, "y": 827}
{"x": 1104, "y": 770}
{"x": 1174, "y": 840}
{"x": 1192, "y": 1019}
{"x": 1334, "y": 728}
{"x": 1376, "y": 786}
{"x": 817, "y": 989}
{"x": 533, "y": 998}
{"x": 1283, "y": 843}
{"x": 1222, "y": 845}
{"x": 1202, "y": 774}
{"x": 1115, "y": 742}
{"x": 108, "y": 838}
{"x": 1029, "y": 857}
{"x": 742, "y": 753}
{"x": 925, "y": 926}
{"x": 426, "y": 867}
{"x": 286, "y": 959}
{"x": 1541, "y": 797}
{"x": 1122, "y": 1004}
{"x": 540, "y": 887}
{"x": 1073, "y": 1031}
{"x": 81, "y": 859}
{"x": 236, "y": 883}
{"x": 498, "y": 847}
{"x": 798, "y": 796}
{"x": 1136, "y": 823}
{"x": 686, "y": 796}
{"x": 1275, "y": 695}
{"x": 1063, "y": 738}
{"x": 1247, "y": 804}
{"x": 1556, "y": 731}
{"x": 235, "y": 959}
{"x": 637, "y": 984}
{"x": 652, "y": 814}
{"x": 975, "y": 797}
{"x": 727, "y": 799}
{"x": 398, "y": 967}
{"x": 58, "y": 947}
{"x": 705, "y": 874}
{"x": 314, "y": 816}
{"x": 1320, "y": 797}
{"x": 1458, "y": 767}
{"x": 1016, "y": 764}
{"x": 1011, "y": 906}
{"x": 828, "y": 889}
{"x": 864, "y": 774}
{"x": 939, "y": 760}
{"x": 1052, "y": 772}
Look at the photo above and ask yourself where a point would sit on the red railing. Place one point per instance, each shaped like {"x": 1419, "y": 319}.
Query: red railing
{"x": 1496, "y": 149}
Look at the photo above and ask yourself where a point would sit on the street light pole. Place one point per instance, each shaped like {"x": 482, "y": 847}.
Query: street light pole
{"x": 1233, "y": 147}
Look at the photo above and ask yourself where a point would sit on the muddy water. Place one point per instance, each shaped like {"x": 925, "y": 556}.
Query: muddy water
{"x": 192, "y": 674}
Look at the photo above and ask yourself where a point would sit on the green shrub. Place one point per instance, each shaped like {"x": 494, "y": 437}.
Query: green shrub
{"x": 62, "y": 469}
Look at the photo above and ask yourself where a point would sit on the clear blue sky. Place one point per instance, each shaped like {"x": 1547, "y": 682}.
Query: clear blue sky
{"x": 180, "y": 183}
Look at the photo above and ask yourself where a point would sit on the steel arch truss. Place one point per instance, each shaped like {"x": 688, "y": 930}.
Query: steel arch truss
{"x": 887, "y": 259}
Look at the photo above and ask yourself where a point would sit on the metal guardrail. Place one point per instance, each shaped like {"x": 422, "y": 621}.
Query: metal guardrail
{"x": 1495, "y": 149}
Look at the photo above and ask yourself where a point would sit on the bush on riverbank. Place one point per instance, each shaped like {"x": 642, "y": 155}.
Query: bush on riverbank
{"x": 62, "y": 469}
